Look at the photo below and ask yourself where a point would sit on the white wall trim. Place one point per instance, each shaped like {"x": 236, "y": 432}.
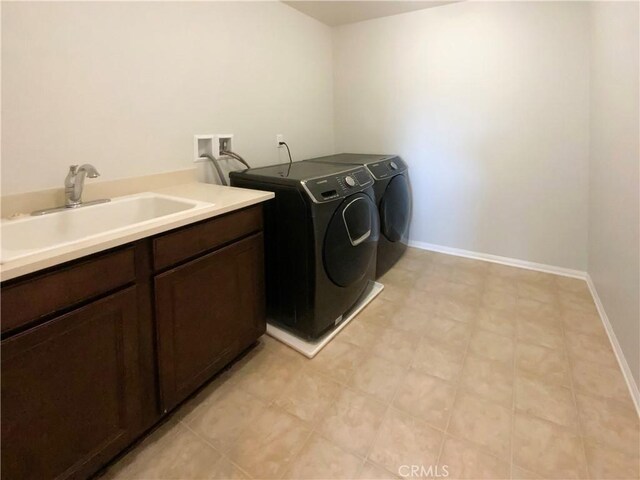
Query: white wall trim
{"x": 512, "y": 262}
{"x": 566, "y": 272}
{"x": 622, "y": 361}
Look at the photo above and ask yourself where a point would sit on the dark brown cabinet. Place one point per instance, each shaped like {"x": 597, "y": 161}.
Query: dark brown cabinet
{"x": 208, "y": 311}
{"x": 70, "y": 390}
{"x": 95, "y": 351}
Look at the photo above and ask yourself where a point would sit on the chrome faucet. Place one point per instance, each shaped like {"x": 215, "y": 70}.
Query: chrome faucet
{"x": 73, "y": 186}
{"x": 74, "y": 183}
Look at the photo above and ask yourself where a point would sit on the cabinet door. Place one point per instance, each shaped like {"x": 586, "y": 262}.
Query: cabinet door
{"x": 207, "y": 312}
{"x": 70, "y": 397}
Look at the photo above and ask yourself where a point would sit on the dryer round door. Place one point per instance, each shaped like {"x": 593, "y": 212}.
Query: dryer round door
{"x": 351, "y": 240}
{"x": 395, "y": 208}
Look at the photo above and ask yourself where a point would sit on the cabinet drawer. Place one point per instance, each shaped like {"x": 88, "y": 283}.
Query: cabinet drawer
{"x": 193, "y": 240}
{"x": 28, "y": 300}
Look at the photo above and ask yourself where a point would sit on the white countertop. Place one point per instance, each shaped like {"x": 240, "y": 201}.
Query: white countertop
{"x": 222, "y": 200}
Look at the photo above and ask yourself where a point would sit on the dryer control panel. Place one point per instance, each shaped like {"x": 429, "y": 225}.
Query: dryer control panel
{"x": 387, "y": 168}
{"x": 331, "y": 187}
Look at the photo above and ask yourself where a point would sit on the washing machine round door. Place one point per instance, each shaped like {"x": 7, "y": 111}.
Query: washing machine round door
{"x": 395, "y": 208}
{"x": 351, "y": 240}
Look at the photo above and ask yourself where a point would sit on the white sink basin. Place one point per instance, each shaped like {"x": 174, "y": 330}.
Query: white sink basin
{"x": 33, "y": 235}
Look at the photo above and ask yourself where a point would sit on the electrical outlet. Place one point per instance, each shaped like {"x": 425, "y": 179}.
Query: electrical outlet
{"x": 279, "y": 138}
{"x": 202, "y": 145}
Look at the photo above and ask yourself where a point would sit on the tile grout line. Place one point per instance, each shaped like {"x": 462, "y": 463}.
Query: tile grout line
{"x": 457, "y": 391}
{"x": 476, "y": 327}
{"x": 311, "y": 430}
{"x": 556, "y": 303}
{"x": 222, "y": 454}
{"x": 389, "y": 407}
{"x": 514, "y": 366}
{"x": 379, "y": 432}
{"x": 266, "y": 404}
{"x": 566, "y": 356}
{"x": 314, "y": 425}
{"x": 305, "y": 443}
{"x": 514, "y": 383}
{"x": 574, "y": 397}
{"x": 347, "y": 386}
{"x": 458, "y": 384}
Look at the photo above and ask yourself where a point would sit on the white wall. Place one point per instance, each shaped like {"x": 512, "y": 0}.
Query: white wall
{"x": 126, "y": 85}
{"x": 614, "y": 197}
{"x": 488, "y": 102}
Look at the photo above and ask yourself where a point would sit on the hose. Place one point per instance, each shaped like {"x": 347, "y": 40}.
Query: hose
{"x": 236, "y": 156}
{"x": 217, "y": 167}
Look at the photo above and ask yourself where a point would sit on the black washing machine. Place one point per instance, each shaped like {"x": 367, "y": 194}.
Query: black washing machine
{"x": 321, "y": 236}
{"x": 393, "y": 197}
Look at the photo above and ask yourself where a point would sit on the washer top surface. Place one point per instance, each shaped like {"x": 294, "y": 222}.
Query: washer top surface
{"x": 380, "y": 166}
{"x": 323, "y": 182}
{"x": 297, "y": 171}
{"x": 351, "y": 158}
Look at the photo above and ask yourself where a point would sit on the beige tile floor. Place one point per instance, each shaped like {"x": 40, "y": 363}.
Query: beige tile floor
{"x": 492, "y": 371}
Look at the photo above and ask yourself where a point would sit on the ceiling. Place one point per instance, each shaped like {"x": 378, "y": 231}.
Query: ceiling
{"x": 334, "y": 13}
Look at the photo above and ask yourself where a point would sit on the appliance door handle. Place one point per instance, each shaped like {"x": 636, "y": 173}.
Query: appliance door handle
{"x": 355, "y": 241}
{"x": 361, "y": 239}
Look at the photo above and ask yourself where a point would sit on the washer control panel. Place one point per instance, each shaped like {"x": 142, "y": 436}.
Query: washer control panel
{"x": 331, "y": 187}
{"x": 387, "y": 168}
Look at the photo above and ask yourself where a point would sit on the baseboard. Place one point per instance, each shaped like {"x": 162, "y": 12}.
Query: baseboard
{"x": 511, "y": 262}
{"x": 622, "y": 361}
{"x": 566, "y": 272}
